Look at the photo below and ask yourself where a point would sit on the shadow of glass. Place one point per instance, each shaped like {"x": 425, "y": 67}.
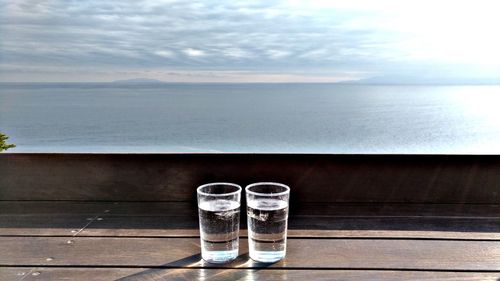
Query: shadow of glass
{"x": 194, "y": 268}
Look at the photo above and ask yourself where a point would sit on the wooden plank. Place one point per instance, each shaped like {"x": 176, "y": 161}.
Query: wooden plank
{"x": 9, "y": 273}
{"x": 172, "y": 219}
{"x": 395, "y": 224}
{"x": 304, "y": 226}
{"x": 97, "y": 208}
{"x": 53, "y": 207}
{"x": 322, "y": 220}
{"x": 44, "y": 225}
{"x": 302, "y": 253}
{"x": 47, "y": 218}
{"x": 313, "y": 178}
{"x": 303, "y": 209}
{"x": 404, "y": 234}
{"x": 142, "y": 226}
{"x": 84, "y": 274}
{"x": 396, "y": 210}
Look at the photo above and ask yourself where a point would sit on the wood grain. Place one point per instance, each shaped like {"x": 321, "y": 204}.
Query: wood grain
{"x": 43, "y": 225}
{"x": 303, "y": 209}
{"x": 173, "y": 219}
{"x": 302, "y": 253}
{"x": 313, "y": 178}
{"x": 151, "y": 274}
{"x": 143, "y": 226}
{"x": 418, "y": 227}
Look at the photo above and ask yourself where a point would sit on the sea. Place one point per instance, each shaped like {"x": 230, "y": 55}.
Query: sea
{"x": 253, "y": 118}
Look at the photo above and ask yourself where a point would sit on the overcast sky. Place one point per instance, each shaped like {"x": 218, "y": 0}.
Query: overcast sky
{"x": 248, "y": 41}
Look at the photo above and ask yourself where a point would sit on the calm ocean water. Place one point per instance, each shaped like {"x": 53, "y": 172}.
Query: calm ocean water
{"x": 325, "y": 118}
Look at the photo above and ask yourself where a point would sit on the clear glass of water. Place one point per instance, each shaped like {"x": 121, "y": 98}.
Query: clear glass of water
{"x": 267, "y": 211}
{"x": 219, "y": 214}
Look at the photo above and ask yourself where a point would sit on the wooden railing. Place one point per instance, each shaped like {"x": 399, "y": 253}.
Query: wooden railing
{"x": 471, "y": 179}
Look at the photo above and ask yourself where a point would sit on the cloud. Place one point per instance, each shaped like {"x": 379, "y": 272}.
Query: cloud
{"x": 271, "y": 37}
{"x": 165, "y": 53}
{"x": 278, "y": 54}
{"x": 236, "y": 53}
{"x": 194, "y": 52}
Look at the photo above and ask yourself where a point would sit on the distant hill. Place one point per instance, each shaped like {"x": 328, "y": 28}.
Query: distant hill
{"x": 416, "y": 80}
{"x": 138, "y": 81}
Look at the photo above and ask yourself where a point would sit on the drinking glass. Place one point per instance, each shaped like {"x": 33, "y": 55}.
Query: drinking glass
{"x": 267, "y": 211}
{"x": 219, "y": 214}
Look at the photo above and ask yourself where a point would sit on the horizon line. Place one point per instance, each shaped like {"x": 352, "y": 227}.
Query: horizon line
{"x": 159, "y": 82}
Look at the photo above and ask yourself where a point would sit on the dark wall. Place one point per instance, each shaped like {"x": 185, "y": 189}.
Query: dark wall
{"x": 312, "y": 178}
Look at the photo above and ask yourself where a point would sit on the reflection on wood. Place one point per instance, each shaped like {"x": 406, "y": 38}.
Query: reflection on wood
{"x": 156, "y": 274}
{"x": 302, "y": 253}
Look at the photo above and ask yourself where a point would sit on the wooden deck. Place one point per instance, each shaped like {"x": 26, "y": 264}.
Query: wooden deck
{"x": 64, "y": 233}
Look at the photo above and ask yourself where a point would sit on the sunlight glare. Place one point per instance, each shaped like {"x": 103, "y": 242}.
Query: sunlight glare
{"x": 443, "y": 31}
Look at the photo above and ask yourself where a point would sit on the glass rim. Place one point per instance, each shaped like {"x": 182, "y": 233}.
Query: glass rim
{"x": 287, "y": 189}
{"x": 198, "y": 190}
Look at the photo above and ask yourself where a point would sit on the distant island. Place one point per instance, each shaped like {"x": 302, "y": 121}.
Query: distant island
{"x": 422, "y": 80}
{"x": 138, "y": 81}
{"x": 376, "y": 80}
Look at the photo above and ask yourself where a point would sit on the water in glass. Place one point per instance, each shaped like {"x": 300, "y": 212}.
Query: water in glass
{"x": 219, "y": 224}
{"x": 267, "y": 225}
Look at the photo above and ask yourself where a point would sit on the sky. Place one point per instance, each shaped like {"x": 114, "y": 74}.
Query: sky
{"x": 248, "y": 41}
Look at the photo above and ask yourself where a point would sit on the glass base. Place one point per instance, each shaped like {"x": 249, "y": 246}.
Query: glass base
{"x": 219, "y": 256}
{"x": 267, "y": 256}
